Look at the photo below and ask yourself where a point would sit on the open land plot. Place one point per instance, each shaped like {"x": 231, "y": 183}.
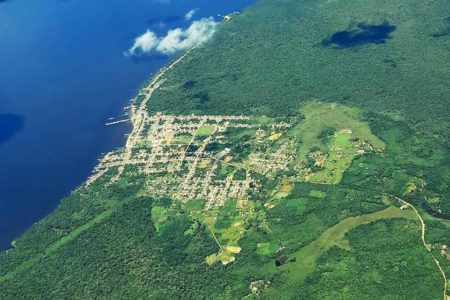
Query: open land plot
{"x": 331, "y": 136}
{"x": 303, "y": 262}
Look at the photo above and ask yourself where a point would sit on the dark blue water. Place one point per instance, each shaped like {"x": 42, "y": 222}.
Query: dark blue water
{"x": 62, "y": 74}
{"x": 364, "y": 34}
{"x": 9, "y": 126}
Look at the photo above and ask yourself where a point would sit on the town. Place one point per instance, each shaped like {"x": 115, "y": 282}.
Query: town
{"x": 187, "y": 157}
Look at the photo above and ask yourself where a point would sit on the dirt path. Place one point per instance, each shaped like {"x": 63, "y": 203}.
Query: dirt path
{"x": 212, "y": 234}
{"x": 427, "y": 246}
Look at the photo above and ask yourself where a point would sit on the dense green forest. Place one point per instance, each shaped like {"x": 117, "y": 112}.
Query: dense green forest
{"x": 122, "y": 256}
{"x": 383, "y": 67}
{"x": 272, "y": 58}
{"x": 278, "y": 61}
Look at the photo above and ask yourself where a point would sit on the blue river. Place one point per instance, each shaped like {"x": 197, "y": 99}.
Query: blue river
{"x": 62, "y": 75}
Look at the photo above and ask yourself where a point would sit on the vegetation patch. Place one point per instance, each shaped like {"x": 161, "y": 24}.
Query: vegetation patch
{"x": 330, "y": 137}
{"x": 159, "y": 215}
{"x": 297, "y": 203}
{"x": 194, "y": 205}
{"x": 266, "y": 248}
{"x": 317, "y": 194}
{"x": 182, "y": 139}
{"x": 204, "y": 131}
{"x": 303, "y": 262}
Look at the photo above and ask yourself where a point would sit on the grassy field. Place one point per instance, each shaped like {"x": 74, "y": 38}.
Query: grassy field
{"x": 266, "y": 248}
{"x": 303, "y": 262}
{"x": 159, "y": 215}
{"x": 318, "y": 116}
{"x": 326, "y": 134}
{"x": 204, "y": 131}
{"x": 335, "y": 236}
{"x": 298, "y": 203}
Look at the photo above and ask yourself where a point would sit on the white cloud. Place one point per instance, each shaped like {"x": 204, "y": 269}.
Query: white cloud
{"x": 171, "y": 42}
{"x": 176, "y": 39}
{"x": 179, "y": 39}
{"x": 190, "y": 14}
{"x": 143, "y": 43}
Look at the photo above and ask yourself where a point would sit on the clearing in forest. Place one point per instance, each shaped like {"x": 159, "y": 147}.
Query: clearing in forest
{"x": 303, "y": 262}
{"x": 331, "y": 136}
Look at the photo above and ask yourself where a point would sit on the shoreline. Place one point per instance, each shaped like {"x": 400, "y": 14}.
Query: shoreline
{"x": 136, "y": 113}
{"x": 137, "y": 117}
{"x": 67, "y": 150}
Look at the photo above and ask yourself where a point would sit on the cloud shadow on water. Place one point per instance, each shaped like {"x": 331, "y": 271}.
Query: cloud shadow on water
{"x": 363, "y": 34}
{"x": 10, "y": 125}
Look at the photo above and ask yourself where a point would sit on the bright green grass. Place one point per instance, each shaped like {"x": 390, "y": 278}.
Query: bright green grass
{"x": 229, "y": 207}
{"x": 338, "y": 151}
{"x": 340, "y": 156}
{"x": 204, "y": 131}
{"x": 224, "y": 170}
{"x": 159, "y": 215}
{"x": 319, "y": 116}
{"x": 317, "y": 194}
{"x": 341, "y": 140}
{"x": 266, "y": 248}
{"x": 194, "y": 205}
{"x": 298, "y": 203}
